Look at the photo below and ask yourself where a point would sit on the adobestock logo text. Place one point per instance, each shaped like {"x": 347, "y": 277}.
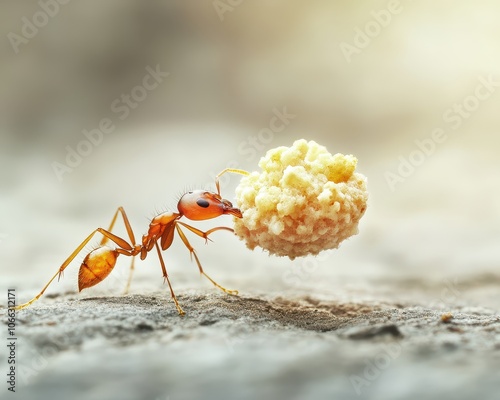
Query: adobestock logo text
{"x": 121, "y": 106}
{"x": 454, "y": 117}
{"x": 31, "y": 26}
{"x": 363, "y": 37}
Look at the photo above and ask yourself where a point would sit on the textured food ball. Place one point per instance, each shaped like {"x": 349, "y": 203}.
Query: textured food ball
{"x": 304, "y": 201}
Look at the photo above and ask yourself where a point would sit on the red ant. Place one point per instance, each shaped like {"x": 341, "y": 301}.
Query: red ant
{"x": 195, "y": 205}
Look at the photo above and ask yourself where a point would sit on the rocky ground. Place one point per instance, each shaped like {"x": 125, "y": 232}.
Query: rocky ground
{"x": 249, "y": 347}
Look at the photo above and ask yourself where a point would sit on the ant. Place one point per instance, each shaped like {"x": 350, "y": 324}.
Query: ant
{"x": 195, "y": 205}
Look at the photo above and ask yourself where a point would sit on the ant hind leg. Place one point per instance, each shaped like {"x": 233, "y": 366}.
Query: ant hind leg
{"x": 124, "y": 248}
{"x": 97, "y": 259}
{"x": 132, "y": 241}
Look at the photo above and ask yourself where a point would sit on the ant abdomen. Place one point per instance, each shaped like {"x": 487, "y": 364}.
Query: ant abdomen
{"x": 96, "y": 266}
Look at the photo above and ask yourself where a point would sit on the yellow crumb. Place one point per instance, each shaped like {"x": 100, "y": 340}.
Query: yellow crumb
{"x": 304, "y": 201}
{"x": 446, "y": 317}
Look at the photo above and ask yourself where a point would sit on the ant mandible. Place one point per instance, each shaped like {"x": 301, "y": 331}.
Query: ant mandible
{"x": 195, "y": 205}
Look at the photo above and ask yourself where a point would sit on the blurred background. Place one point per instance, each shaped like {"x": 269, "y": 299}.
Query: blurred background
{"x": 181, "y": 90}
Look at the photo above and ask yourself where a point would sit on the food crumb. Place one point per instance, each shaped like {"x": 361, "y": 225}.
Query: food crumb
{"x": 305, "y": 200}
{"x": 446, "y": 317}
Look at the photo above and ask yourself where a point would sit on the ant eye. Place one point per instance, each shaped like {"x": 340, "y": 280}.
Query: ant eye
{"x": 202, "y": 203}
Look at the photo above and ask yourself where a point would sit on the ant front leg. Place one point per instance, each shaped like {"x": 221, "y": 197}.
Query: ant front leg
{"x": 233, "y": 170}
{"x": 202, "y": 234}
{"x": 193, "y": 252}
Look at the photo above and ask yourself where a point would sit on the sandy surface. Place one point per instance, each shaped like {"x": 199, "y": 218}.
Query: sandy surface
{"x": 249, "y": 347}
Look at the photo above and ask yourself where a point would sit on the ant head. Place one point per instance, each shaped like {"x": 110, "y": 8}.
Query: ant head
{"x": 200, "y": 204}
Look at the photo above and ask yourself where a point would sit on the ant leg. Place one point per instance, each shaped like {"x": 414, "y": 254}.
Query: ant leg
{"x": 165, "y": 276}
{"x": 131, "y": 272}
{"x": 132, "y": 240}
{"x": 120, "y": 242}
{"x": 193, "y": 253}
{"x": 126, "y": 223}
{"x": 202, "y": 234}
{"x": 233, "y": 170}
